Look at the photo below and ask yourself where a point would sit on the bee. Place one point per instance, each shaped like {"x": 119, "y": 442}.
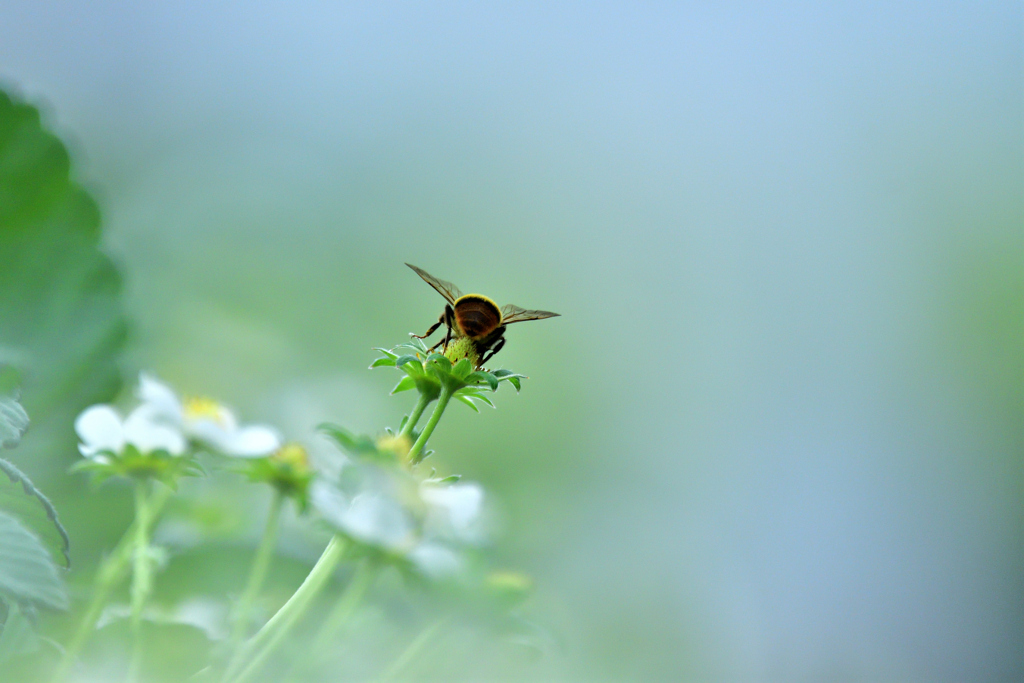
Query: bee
{"x": 474, "y": 320}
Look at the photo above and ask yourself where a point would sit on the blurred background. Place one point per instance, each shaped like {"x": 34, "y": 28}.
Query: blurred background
{"x": 778, "y": 433}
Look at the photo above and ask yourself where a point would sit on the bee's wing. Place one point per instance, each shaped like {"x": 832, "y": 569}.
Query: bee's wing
{"x": 510, "y": 313}
{"x": 446, "y": 289}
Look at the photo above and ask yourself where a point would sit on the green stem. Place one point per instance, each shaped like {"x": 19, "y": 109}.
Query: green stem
{"x": 343, "y": 609}
{"x": 414, "y": 417}
{"x": 257, "y": 572}
{"x": 142, "y": 576}
{"x": 428, "y": 429}
{"x": 346, "y": 605}
{"x": 111, "y": 572}
{"x": 413, "y": 650}
{"x": 254, "y": 653}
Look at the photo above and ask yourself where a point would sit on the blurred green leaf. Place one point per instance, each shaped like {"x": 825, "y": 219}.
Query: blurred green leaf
{"x": 59, "y": 295}
{"x": 27, "y": 574}
{"x": 356, "y": 444}
{"x": 21, "y": 498}
{"x": 13, "y": 421}
{"x": 17, "y": 637}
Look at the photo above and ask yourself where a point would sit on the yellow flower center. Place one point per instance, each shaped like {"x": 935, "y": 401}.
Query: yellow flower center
{"x": 293, "y": 455}
{"x": 201, "y": 407}
{"x": 399, "y": 445}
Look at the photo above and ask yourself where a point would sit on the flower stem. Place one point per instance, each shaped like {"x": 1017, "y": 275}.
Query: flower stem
{"x": 343, "y": 610}
{"x": 346, "y": 605}
{"x": 257, "y": 572}
{"x": 414, "y": 417}
{"x": 142, "y": 576}
{"x": 254, "y": 653}
{"x": 413, "y": 650}
{"x": 428, "y": 429}
{"x": 111, "y": 572}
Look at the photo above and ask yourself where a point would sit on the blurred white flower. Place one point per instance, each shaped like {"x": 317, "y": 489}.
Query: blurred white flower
{"x": 102, "y": 431}
{"x": 453, "y": 510}
{"x": 430, "y": 523}
{"x": 205, "y": 420}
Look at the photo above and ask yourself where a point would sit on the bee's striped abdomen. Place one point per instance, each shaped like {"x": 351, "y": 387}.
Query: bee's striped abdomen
{"x": 476, "y": 315}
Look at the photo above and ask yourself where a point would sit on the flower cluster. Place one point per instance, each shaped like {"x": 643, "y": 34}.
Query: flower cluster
{"x": 379, "y": 504}
{"x": 159, "y": 435}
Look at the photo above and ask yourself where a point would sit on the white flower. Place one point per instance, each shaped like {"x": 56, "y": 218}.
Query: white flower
{"x": 371, "y": 517}
{"x": 102, "y": 431}
{"x": 206, "y": 420}
{"x": 453, "y": 509}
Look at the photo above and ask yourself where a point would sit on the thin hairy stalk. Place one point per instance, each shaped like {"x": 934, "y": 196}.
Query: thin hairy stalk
{"x": 142, "y": 574}
{"x": 414, "y": 416}
{"x": 346, "y": 605}
{"x": 335, "y": 622}
{"x": 413, "y": 650}
{"x": 254, "y": 653}
{"x": 112, "y": 571}
{"x": 257, "y": 572}
{"x": 428, "y": 429}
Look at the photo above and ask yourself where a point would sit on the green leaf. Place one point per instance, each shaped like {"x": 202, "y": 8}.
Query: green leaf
{"x": 402, "y": 360}
{"x": 13, "y": 421}
{"x": 406, "y": 383}
{"x": 60, "y": 296}
{"x": 514, "y": 381}
{"x": 468, "y": 402}
{"x": 388, "y": 361}
{"x": 450, "y": 479}
{"x": 17, "y": 637}
{"x": 20, "y": 497}
{"x": 387, "y": 353}
{"x": 27, "y": 574}
{"x": 502, "y": 373}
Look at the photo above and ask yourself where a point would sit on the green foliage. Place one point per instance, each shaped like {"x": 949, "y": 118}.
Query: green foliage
{"x": 13, "y": 418}
{"x": 21, "y": 498}
{"x": 27, "y": 574}
{"x": 59, "y": 295}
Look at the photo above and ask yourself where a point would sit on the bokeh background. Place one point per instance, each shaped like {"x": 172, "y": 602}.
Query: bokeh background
{"x": 778, "y": 433}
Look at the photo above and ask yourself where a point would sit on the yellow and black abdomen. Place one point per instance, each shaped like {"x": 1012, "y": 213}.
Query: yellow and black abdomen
{"x": 476, "y": 316}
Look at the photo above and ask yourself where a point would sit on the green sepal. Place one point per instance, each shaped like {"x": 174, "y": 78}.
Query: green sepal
{"x": 463, "y": 368}
{"x": 468, "y": 402}
{"x": 389, "y": 362}
{"x": 404, "y": 384}
{"x": 484, "y": 376}
{"x": 354, "y": 444}
{"x": 402, "y": 360}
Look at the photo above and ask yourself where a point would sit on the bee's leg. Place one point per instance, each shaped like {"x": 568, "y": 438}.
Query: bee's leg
{"x": 449, "y": 319}
{"x": 432, "y": 329}
{"x": 497, "y": 347}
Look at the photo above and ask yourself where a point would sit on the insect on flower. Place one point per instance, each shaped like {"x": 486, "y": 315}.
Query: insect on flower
{"x": 474, "y": 320}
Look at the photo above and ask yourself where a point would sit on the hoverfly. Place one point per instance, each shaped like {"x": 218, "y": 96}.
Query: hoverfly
{"x": 476, "y": 318}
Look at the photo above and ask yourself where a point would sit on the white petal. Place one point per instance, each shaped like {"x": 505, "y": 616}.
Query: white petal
{"x": 369, "y": 518}
{"x": 251, "y": 442}
{"x": 461, "y": 502}
{"x": 100, "y": 429}
{"x": 146, "y": 434}
{"x": 160, "y": 396}
{"x": 435, "y": 560}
